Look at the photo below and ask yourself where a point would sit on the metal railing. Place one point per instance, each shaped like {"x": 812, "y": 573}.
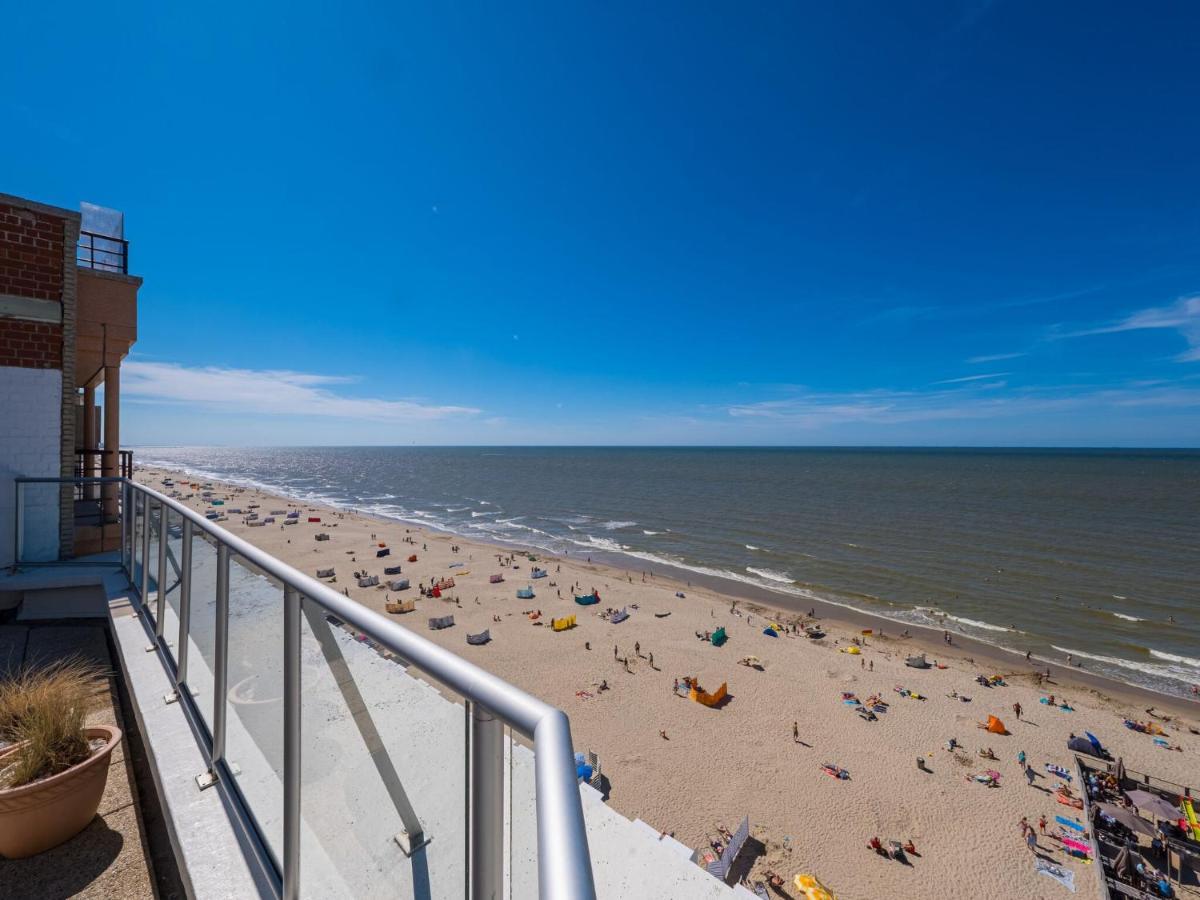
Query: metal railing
{"x": 89, "y": 462}
{"x": 563, "y": 860}
{"x": 102, "y": 252}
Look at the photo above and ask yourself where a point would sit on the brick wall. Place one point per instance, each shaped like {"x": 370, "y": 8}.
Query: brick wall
{"x": 31, "y": 253}
{"x": 31, "y": 345}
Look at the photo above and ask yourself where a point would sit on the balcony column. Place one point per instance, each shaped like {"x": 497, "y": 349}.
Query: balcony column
{"x": 110, "y": 461}
{"x": 91, "y": 440}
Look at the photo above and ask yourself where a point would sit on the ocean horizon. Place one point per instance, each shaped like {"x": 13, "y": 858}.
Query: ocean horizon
{"x": 1090, "y": 552}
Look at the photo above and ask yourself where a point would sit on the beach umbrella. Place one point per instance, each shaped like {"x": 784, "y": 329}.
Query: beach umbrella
{"x": 1127, "y": 817}
{"x": 1153, "y": 804}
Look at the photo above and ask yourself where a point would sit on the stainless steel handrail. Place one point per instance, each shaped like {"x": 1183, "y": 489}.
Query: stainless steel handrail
{"x": 564, "y": 863}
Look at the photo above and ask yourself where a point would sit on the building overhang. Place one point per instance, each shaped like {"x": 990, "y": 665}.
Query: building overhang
{"x": 106, "y": 322}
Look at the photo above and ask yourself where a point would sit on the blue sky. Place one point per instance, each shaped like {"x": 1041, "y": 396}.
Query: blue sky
{"x": 794, "y": 223}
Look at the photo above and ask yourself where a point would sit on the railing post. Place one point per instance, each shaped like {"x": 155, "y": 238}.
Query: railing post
{"x": 221, "y": 653}
{"x": 126, "y": 524}
{"x": 185, "y": 606}
{"x": 292, "y": 601}
{"x": 161, "y": 605}
{"x": 486, "y": 811}
{"x": 145, "y": 585}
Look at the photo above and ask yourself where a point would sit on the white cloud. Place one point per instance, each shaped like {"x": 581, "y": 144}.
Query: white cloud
{"x": 1183, "y": 315}
{"x": 271, "y": 392}
{"x": 973, "y": 378}
{"x": 820, "y": 410}
{"x": 996, "y": 357}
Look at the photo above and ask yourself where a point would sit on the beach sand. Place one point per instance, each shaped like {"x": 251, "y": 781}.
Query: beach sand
{"x": 717, "y": 765}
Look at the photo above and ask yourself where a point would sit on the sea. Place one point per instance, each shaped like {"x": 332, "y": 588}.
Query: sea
{"x": 1092, "y": 553}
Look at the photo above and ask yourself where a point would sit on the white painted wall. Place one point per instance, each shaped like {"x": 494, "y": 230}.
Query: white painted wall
{"x": 30, "y": 425}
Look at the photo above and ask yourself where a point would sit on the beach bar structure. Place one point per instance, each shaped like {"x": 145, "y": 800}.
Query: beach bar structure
{"x": 1135, "y": 817}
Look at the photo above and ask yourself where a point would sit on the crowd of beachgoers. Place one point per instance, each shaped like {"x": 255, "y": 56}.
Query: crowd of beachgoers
{"x": 884, "y": 762}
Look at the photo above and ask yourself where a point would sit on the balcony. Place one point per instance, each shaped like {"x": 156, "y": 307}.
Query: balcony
{"x": 306, "y": 746}
{"x": 101, "y": 252}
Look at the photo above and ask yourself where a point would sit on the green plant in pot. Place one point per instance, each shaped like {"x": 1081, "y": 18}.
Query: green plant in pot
{"x": 53, "y": 766}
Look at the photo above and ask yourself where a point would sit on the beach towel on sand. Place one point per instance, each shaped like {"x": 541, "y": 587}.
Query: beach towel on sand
{"x": 1065, "y": 877}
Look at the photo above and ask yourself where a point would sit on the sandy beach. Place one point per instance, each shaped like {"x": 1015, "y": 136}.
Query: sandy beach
{"x": 687, "y": 768}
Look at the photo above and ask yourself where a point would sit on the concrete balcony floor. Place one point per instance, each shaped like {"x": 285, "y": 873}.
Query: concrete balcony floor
{"x": 108, "y": 859}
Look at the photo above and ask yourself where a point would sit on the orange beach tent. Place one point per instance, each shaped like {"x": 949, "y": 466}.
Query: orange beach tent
{"x": 995, "y": 726}
{"x": 712, "y": 699}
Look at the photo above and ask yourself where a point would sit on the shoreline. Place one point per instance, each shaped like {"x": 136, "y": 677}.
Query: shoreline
{"x": 761, "y": 599}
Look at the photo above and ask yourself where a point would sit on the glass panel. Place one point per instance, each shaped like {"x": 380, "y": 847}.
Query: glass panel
{"x": 254, "y": 707}
{"x": 40, "y": 514}
{"x": 520, "y": 837}
{"x": 203, "y": 624}
{"x": 138, "y": 523}
{"x": 375, "y": 738}
{"x": 151, "y": 597}
{"x": 174, "y": 560}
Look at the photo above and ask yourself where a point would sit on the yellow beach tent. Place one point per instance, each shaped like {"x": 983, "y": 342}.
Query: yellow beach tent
{"x": 812, "y": 889}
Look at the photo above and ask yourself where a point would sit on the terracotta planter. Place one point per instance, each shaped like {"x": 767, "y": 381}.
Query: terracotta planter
{"x": 35, "y": 817}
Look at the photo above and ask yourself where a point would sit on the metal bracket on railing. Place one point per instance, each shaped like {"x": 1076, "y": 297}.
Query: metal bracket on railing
{"x": 413, "y": 837}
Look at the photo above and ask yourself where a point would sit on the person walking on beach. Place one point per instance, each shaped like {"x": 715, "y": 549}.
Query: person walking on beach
{"x": 614, "y": 651}
{"x": 1021, "y": 759}
{"x": 1042, "y": 824}
{"x": 1017, "y": 710}
{"x": 1031, "y": 841}
{"x": 1030, "y": 774}
{"x": 796, "y": 732}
